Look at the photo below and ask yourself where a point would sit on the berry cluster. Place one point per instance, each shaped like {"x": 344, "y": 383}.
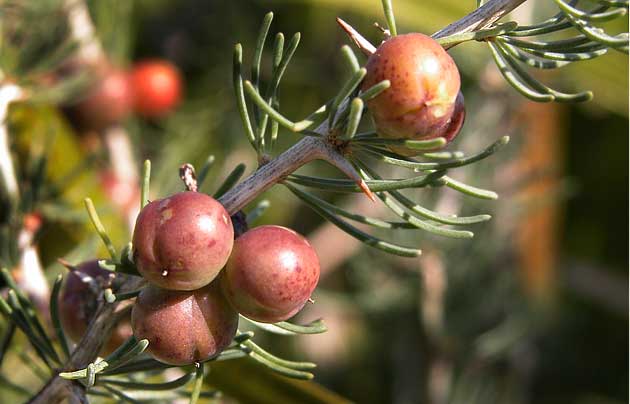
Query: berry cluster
{"x": 152, "y": 88}
{"x": 181, "y": 243}
{"x": 189, "y": 310}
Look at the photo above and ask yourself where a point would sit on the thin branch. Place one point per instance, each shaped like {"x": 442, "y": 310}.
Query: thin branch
{"x": 90, "y": 50}
{"x": 481, "y": 18}
{"x": 8, "y": 94}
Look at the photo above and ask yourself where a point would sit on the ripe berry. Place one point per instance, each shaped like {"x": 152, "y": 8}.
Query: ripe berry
{"x": 424, "y": 86}
{"x": 182, "y": 242}
{"x": 108, "y": 101}
{"x": 184, "y": 327}
{"x": 271, "y": 273}
{"x": 157, "y": 88}
{"x": 78, "y": 302}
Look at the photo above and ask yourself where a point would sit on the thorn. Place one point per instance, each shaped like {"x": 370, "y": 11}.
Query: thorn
{"x": 66, "y": 264}
{"x": 363, "y": 44}
{"x": 311, "y": 301}
{"x": 367, "y": 191}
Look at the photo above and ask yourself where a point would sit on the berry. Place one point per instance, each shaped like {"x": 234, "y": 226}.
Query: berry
{"x": 271, "y": 273}
{"x": 184, "y": 327}
{"x": 182, "y": 242}
{"x": 424, "y": 87}
{"x": 108, "y": 101}
{"x": 78, "y": 302}
{"x": 157, "y": 88}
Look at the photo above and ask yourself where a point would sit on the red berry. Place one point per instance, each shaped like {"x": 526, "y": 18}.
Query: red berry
{"x": 108, "y": 101}
{"x": 424, "y": 85}
{"x": 271, "y": 273}
{"x": 184, "y": 327}
{"x": 182, "y": 242}
{"x": 78, "y": 302}
{"x": 157, "y": 87}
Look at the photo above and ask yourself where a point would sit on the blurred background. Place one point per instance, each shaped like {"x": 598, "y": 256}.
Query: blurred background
{"x": 534, "y": 309}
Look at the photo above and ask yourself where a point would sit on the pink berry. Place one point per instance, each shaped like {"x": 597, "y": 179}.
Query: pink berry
{"x": 184, "y": 327}
{"x": 182, "y": 242}
{"x": 271, "y": 273}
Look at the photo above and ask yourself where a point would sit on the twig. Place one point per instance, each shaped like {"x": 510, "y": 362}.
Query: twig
{"x": 8, "y": 94}
{"x": 30, "y": 273}
{"x": 90, "y": 50}
{"x": 481, "y": 18}
{"x": 125, "y": 171}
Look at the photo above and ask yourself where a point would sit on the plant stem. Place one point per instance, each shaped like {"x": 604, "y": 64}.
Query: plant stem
{"x": 481, "y": 18}
{"x": 86, "y": 350}
{"x": 8, "y": 94}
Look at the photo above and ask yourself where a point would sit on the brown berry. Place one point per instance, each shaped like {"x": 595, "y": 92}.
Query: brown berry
{"x": 184, "y": 327}
{"x": 182, "y": 242}
{"x": 271, "y": 273}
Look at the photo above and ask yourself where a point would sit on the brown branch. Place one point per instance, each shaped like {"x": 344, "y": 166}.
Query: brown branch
{"x": 87, "y": 349}
{"x": 481, "y": 18}
{"x": 306, "y": 150}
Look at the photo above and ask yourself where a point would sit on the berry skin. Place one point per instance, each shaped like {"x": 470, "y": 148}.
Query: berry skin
{"x": 454, "y": 125}
{"x": 157, "y": 86}
{"x": 109, "y": 101}
{"x": 184, "y": 327}
{"x": 78, "y": 303}
{"x": 182, "y": 242}
{"x": 424, "y": 81}
{"x": 271, "y": 273}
